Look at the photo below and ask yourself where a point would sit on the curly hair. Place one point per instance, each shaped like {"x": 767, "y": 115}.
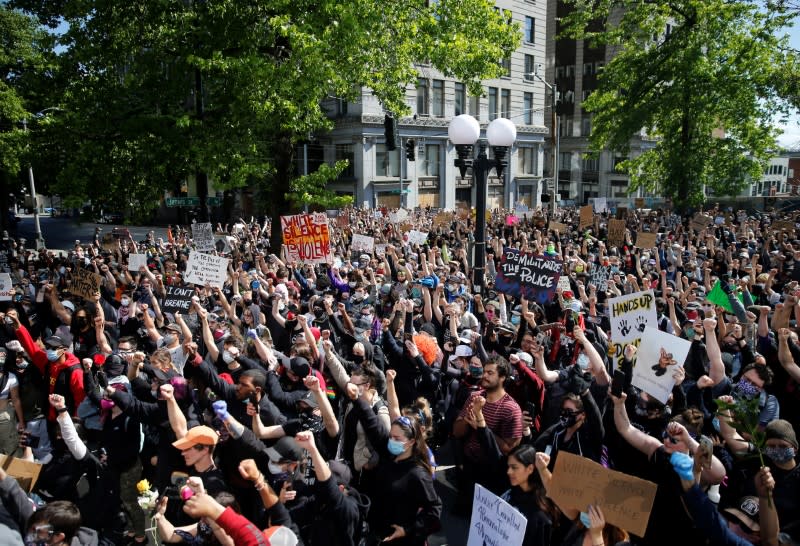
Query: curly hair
{"x": 428, "y": 347}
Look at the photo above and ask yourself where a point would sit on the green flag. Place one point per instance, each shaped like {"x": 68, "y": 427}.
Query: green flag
{"x": 718, "y": 297}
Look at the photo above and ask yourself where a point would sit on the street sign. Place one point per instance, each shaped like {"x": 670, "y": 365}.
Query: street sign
{"x": 192, "y": 201}
{"x": 396, "y": 192}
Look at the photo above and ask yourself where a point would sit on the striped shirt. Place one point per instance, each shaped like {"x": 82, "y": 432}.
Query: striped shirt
{"x": 503, "y": 418}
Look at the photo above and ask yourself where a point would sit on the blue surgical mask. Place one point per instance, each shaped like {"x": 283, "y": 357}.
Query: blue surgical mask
{"x": 690, "y": 333}
{"x": 476, "y": 371}
{"x": 583, "y": 361}
{"x": 515, "y": 320}
{"x": 715, "y": 423}
{"x": 52, "y": 355}
{"x": 780, "y": 454}
{"x": 395, "y": 447}
{"x": 585, "y": 520}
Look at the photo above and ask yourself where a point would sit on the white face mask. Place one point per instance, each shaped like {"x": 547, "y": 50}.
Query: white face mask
{"x": 125, "y": 302}
{"x": 228, "y": 357}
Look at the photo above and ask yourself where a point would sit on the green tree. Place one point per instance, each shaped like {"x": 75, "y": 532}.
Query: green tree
{"x": 134, "y": 70}
{"x": 718, "y": 68}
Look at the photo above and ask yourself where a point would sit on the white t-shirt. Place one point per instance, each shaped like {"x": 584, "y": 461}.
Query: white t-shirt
{"x": 10, "y": 384}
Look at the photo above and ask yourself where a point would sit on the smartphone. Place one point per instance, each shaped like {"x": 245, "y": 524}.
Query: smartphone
{"x": 530, "y": 407}
{"x": 254, "y": 399}
{"x": 407, "y": 337}
{"x": 617, "y": 383}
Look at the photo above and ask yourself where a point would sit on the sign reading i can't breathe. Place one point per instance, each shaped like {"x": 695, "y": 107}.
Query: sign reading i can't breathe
{"x": 528, "y": 275}
{"x": 178, "y": 298}
{"x": 307, "y": 238}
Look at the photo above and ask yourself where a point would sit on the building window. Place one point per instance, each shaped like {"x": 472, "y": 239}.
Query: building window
{"x": 492, "y": 103}
{"x": 460, "y": 99}
{"x": 527, "y": 102}
{"x": 387, "y": 162}
{"x": 530, "y": 68}
{"x": 560, "y": 71}
{"x": 506, "y": 66}
{"x": 527, "y": 160}
{"x": 569, "y": 71}
{"x": 438, "y": 98}
{"x": 586, "y": 125}
{"x": 475, "y": 107}
{"x": 505, "y": 103}
{"x": 530, "y": 29}
{"x": 585, "y": 94}
{"x": 565, "y": 124}
{"x": 564, "y": 161}
{"x": 591, "y": 164}
{"x": 430, "y": 167}
{"x": 347, "y": 151}
{"x": 618, "y": 161}
{"x": 341, "y": 107}
{"x": 422, "y": 97}
{"x": 588, "y": 69}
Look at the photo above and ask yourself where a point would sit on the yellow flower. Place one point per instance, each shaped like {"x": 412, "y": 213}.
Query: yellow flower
{"x": 143, "y": 486}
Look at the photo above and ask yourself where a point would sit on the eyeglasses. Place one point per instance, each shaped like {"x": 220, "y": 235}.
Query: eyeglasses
{"x": 360, "y": 384}
{"x": 665, "y": 435}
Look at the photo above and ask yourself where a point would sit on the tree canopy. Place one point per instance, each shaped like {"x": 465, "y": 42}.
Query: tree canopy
{"x": 707, "y": 92}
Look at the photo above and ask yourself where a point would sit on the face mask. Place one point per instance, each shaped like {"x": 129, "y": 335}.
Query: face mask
{"x": 351, "y": 284}
{"x": 476, "y": 371}
{"x": 319, "y": 313}
{"x": 358, "y": 359}
{"x": 106, "y": 404}
{"x": 31, "y": 540}
{"x": 583, "y": 362}
{"x": 690, "y": 333}
{"x": 52, "y": 355}
{"x": 715, "y": 423}
{"x": 746, "y": 389}
{"x": 169, "y": 339}
{"x": 515, "y": 320}
{"x": 585, "y": 520}
{"x": 395, "y": 447}
{"x": 227, "y": 357}
{"x": 451, "y": 288}
{"x": 780, "y": 454}
{"x": 62, "y": 270}
{"x": 358, "y": 296}
{"x": 22, "y": 365}
{"x": 568, "y": 419}
{"x": 125, "y": 302}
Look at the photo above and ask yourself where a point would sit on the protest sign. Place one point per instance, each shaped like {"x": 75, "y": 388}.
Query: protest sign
{"x": 398, "y": 216}
{"x": 85, "y": 283}
{"x": 494, "y": 522}
{"x": 599, "y": 276}
{"x": 417, "y": 237}
{"x": 638, "y": 202}
{"x": 558, "y": 227}
{"x": 616, "y": 232}
{"x": 622, "y": 212}
{"x": 136, "y": 262}
{"x": 6, "y": 287}
{"x": 342, "y": 221}
{"x": 25, "y": 472}
{"x": 631, "y": 314}
{"x": 700, "y": 221}
{"x": 109, "y": 242}
{"x": 717, "y": 296}
{"x": 511, "y": 220}
{"x": 626, "y": 501}
{"x": 646, "y": 240}
{"x": 178, "y": 298}
{"x": 442, "y": 219}
{"x": 380, "y": 250}
{"x": 203, "y": 236}
{"x": 780, "y": 225}
{"x": 534, "y": 277}
{"x": 659, "y": 355}
{"x": 587, "y": 217}
{"x": 307, "y": 238}
{"x": 362, "y": 243}
{"x": 563, "y": 283}
{"x": 601, "y": 204}
{"x": 205, "y": 269}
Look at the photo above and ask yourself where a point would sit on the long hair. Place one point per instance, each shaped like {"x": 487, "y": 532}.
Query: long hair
{"x": 421, "y": 410}
{"x": 410, "y": 426}
{"x": 526, "y": 454}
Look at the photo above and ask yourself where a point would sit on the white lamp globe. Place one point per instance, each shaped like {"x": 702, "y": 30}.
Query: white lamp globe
{"x": 464, "y": 129}
{"x": 501, "y": 132}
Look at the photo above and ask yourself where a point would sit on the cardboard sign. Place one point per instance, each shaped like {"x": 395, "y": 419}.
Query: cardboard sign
{"x": 85, "y": 283}
{"x": 626, "y": 501}
{"x": 780, "y": 225}
{"x": 558, "y": 227}
{"x": 599, "y": 276}
{"x": 528, "y": 275}
{"x": 417, "y": 237}
{"x": 700, "y": 221}
{"x": 6, "y": 287}
{"x": 442, "y": 219}
{"x": 109, "y": 242}
{"x": 205, "y": 269}
{"x": 178, "y": 298}
{"x": 494, "y": 521}
{"x": 307, "y": 238}
{"x": 646, "y": 240}
{"x": 638, "y": 202}
{"x": 25, "y": 472}
{"x": 587, "y": 217}
{"x": 203, "y": 237}
{"x": 616, "y": 232}
{"x": 630, "y": 314}
{"x": 622, "y": 212}
{"x": 659, "y": 355}
{"x": 342, "y": 221}
{"x": 362, "y": 243}
{"x": 136, "y": 262}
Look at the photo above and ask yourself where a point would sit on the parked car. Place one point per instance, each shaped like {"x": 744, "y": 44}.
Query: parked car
{"x": 52, "y": 211}
{"x": 13, "y": 219}
{"x": 112, "y": 218}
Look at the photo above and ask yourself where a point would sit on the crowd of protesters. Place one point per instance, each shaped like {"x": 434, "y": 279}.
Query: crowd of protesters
{"x": 311, "y": 403}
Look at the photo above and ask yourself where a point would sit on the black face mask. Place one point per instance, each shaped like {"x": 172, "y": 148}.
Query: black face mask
{"x": 568, "y": 419}
{"x": 358, "y": 359}
{"x": 319, "y": 313}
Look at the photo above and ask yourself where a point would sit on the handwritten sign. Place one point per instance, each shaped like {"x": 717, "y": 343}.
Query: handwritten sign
{"x": 563, "y": 283}
{"x": 136, "y": 262}
{"x": 638, "y": 202}
{"x": 511, "y": 220}
{"x": 601, "y": 204}
{"x": 417, "y": 237}
{"x": 616, "y": 232}
{"x": 494, "y": 522}
{"x": 659, "y": 355}
{"x": 85, "y": 283}
{"x": 700, "y": 221}
{"x": 646, "y": 240}
{"x": 587, "y": 216}
{"x": 599, "y": 276}
{"x": 398, "y": 216}
{"x": 534, "y": 277}
{"x": 109, "y": 242}
{"x": 307, "y": 238}
{"x": 558, "y": 227}
{"x": 442, "y": 219}
{"x": 205, "y": 269}
{"x": 380, "y": 250}
{"x": 6, "y": 287}
{"x": 781, "y": 225}
{"x": 626, "y": 501}
{"x": 178, "y": 298}
{"x": 362, "y": 243}
{"x": 631, "y": 314}
{"x": 203, "y": 236}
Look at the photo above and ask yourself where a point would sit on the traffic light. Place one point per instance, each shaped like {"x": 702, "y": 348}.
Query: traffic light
{"x": 411, "y": 144}
{"x": 390, "y": 132}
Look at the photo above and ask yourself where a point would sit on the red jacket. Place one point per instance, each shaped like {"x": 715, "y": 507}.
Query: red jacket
{"x": 240, "y": 529}
{"x": 39, "y": 359}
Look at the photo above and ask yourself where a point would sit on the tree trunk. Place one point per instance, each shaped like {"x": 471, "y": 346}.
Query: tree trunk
{"x": 279, "y": 205}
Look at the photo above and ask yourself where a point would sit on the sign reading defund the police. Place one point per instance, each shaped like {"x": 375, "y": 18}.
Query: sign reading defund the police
{"x": 630, "y": 315}
{"x": 205, "y": 269}
{"x": 533, "y": 277}
{"x": 494, "y": 522}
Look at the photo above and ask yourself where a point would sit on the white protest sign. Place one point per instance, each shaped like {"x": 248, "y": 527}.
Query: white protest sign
{"x": 362, "y": 243}
{"x": 136, "y": 262}
{"x": 600, "y": 205}
{"x": 417, "y": 237}
{"x": 203, "y": 236}
{"x": 380, "y": 250}
{"x": 494, "y": 522}
{"x": 563, "y": 283}
{"x": 206, "y": 268}
{"x": 399, "y": 216}
{"x": 659, "y": 355}
{"x": 6, "y": 287}
{"x": 631, "y": 314}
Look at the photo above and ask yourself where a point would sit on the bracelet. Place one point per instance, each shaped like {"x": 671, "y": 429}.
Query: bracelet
{"x": 62, "y": 410}
{"x": 260, "y": 483}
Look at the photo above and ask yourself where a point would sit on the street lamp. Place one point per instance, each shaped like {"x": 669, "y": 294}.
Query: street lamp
{"x": 464, "y": 131}
{"x": 556, "y": 132}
